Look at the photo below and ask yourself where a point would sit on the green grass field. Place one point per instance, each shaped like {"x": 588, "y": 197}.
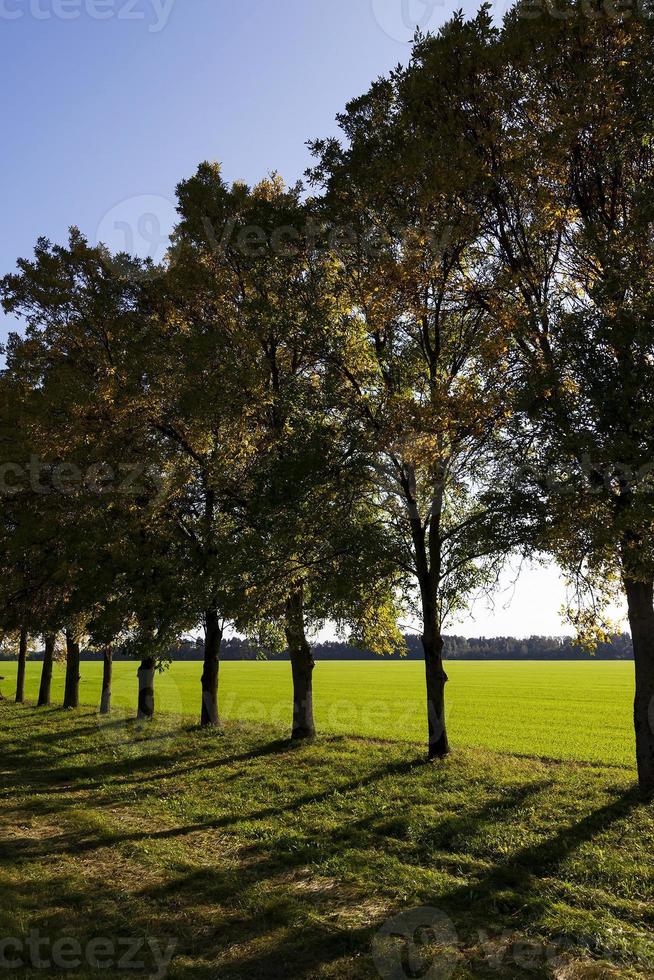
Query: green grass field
{"x": 578, "y": 711}
{"x": 255, "y": 860}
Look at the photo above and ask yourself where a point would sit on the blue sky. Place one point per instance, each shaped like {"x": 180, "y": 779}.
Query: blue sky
{"x": 98, "y": 113}
{"x": 107, "y": 104}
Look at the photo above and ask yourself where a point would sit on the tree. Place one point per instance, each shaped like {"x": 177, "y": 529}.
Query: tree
{"x": 412, "y": 346}
{"x": 261, "y": 288}
{"x": 587, "y": 350}
{"x": 76, "y": 369}
{"x": 46, "y": 672}
{"x": 15, "y": 606}
{"x": 71, "y": 684}
{"x": 20, "y": 640}
{"x": 22, "y": 666}
{"x": 567, "y": 175}
{"x": 189, "y": 386}
{"x": 32, "y": 585}
{"x": 107, "y": 679}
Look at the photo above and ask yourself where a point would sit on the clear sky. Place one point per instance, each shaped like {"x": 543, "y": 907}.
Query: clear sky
{"x": 107, "y": 104}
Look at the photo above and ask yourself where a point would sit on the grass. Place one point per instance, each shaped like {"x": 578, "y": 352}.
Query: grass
{"x": 580, "y": 711}
{"x": 260, "y": 860}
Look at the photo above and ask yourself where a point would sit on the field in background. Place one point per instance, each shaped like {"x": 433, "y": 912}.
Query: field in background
{"x": 578, "y": 711}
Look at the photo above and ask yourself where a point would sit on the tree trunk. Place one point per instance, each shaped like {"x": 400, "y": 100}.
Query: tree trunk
{"x": 212, "y": 641}
{"x": 146, "y": 673}
{"x": 46, "y": 672}
{"x": 71, "y": 691}
{"x": 22, "y": 666}
{"x": 640, "y": 600}
{"x": 302, "y": 664}
{"x": 432, "y": 643}
{"x": 428, "y": 543}
{"x": 107, "y": 673}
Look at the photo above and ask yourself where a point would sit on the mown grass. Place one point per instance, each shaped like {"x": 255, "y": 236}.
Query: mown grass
{"x": 262, "y": 860}
{"x": 581, "y": 711}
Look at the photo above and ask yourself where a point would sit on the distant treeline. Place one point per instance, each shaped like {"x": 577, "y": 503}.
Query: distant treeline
{"x": 456, "y": 648}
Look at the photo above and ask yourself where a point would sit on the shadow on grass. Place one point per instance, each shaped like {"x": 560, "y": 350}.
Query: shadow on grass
{"x": 295, "y": 888}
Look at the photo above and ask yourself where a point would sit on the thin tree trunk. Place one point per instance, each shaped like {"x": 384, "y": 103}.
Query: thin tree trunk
{"x": 22, "y": 666}
{"x": 46, "y": 672}
{"x": 302, "y": 664}
{"x": 213, "y": 638}
{"x": 146, "y": 674}
{"x": 107, "y": 674}
{"x": 436, "y": 678}
{"x": 640, "y": 600}
{"x": 71, "y": 690}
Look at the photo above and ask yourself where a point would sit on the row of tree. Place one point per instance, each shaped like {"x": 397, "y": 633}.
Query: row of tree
{"x": 616, "y": 647}
{"x": 233, "y": 648}
{"x": 352, "y": 404}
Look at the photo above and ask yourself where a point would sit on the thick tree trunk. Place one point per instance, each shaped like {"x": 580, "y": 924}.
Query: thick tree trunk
{"x": 22, "y": 666}
{"x": 432, "y": 643}
{"x": 46, "y": 672}
{"x": 71, "y": 691}
{"x": 640, "y": 600}
{"x": 146, "y": 674}
{"x": 107, "y": 674}
{"x": 212, "y": 641}
{"x": 302, "y": 664}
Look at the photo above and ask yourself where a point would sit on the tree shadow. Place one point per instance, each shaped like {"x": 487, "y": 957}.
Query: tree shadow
{"x": 260, "y": 890}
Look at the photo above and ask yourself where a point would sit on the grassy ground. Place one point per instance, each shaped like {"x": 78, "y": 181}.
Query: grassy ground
{"x": 580, "y": 711}
{"x": 259, "y": 860}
